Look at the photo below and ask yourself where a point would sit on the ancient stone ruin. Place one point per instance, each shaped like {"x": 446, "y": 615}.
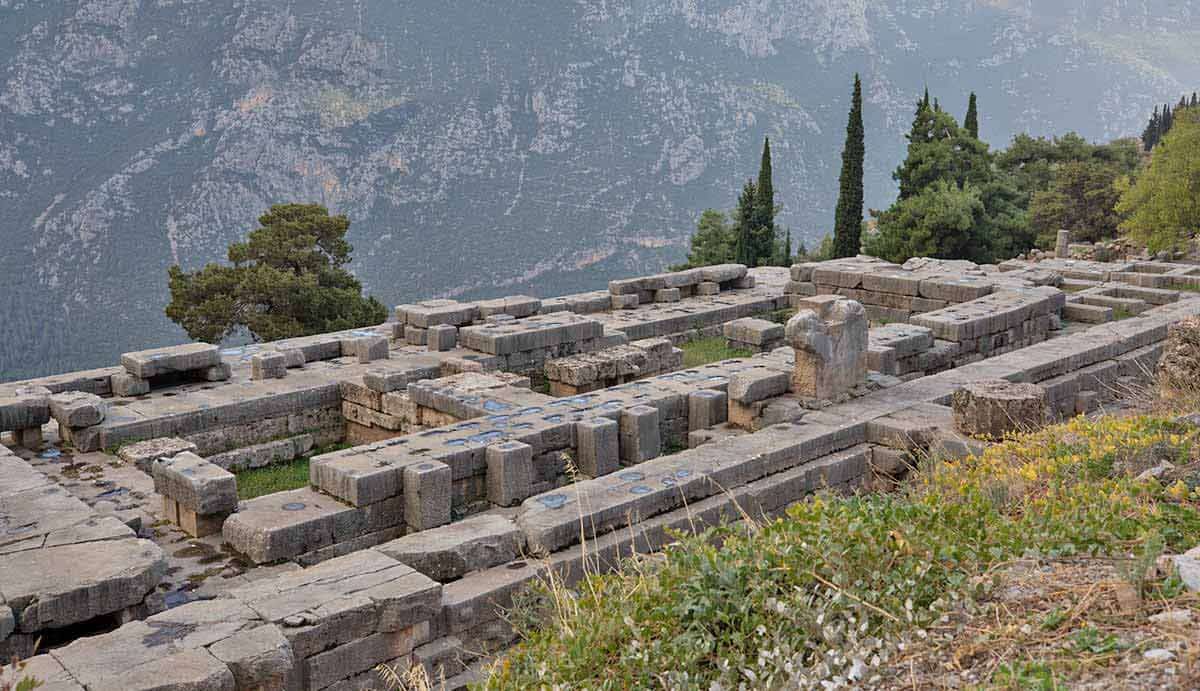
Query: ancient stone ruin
{"x": 463, "y": 450}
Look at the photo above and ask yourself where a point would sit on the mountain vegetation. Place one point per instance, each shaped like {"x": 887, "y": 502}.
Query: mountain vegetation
{"x": 288, "y": 278}
{"x": 1162, "y": 207}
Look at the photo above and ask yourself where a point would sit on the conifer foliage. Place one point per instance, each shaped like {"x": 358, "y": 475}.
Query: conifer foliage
{"x": 971, "y": 121}
{"x": 847, "y": 227}
{"x": 287, "y": 279}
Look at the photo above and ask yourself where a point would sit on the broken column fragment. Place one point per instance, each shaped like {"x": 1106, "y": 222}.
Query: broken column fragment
{"x": 831, "y": 352}
{"x": 994, "y": 408}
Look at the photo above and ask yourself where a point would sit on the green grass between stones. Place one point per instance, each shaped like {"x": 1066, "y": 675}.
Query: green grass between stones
{"x": 279, "y": 477}
{"x": 705, "y": 350}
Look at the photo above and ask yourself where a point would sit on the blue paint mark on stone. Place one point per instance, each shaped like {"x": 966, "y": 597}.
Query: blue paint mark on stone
{"x": 553, "y": 501}
{"x": 640, "y": 489}
{"x": 632, "y": 476}
{"x": 553, "y": 418}
{"x": 50, "y": 453}
{"x": 529, "y": 411}
{"x": 682, "y": 473}
{"x": 522, "y": 425}
{"x": 494, "y": 405}
{"x": 294, "y": 506}
{"x": 485, "y": 436}
{"x": 457, "y": 442}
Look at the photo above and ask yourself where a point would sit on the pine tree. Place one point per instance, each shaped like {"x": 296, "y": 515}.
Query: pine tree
{"x": 763, "y": 227}
{"x": 1150, "y": 134}
{"x": 1195, "y": 102}
{"x": 847, "y": 224}
{"x": 971, "y": 122}
{"x": 743, "y": 248}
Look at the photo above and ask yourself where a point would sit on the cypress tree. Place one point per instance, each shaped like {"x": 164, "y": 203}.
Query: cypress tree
{"x": 971, "y": 122}
{"x": 1150, "y": 134}
{"x": 847, "y": 224}
{"x": 764, "y": 210}
{"x": 1195, "y": 102}
{"x": 786, "y": 259}
{"x": 743, "y": 248}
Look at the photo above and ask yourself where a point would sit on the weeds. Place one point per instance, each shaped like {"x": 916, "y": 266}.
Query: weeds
{"x": 702, "y": 351}
{"x": 826, "y": 594}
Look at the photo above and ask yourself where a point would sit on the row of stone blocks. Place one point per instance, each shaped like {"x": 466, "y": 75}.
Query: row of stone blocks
{"x": 431, "y": 313}
{"x": 585, "y": 372}
{"x": 27, "y": 408}
{"x": 669, "y": 287}
{"x": 201, "y": 360}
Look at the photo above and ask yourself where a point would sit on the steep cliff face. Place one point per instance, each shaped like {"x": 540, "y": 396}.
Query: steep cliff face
{"x": 484, "y": 147}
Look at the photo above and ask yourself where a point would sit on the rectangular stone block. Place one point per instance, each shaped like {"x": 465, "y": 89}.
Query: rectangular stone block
{"x": 442, "y": 337}
{"x": 758, "y": 384}
{"x": 427, "y": 495}
{"x": 27, "y": 406}
{"x": 433, "y": 312}
{"x": 666, "y": 295}
{"x": 269, "y": 365}
{"x": 707, "y": 408}
{"x": 708, "y": 288}
{"x": 451, "y": 551}
{"x": 200, "y": 525}
{"x": 625, "y": 301}
{"x": 509, "y": 473}
{"x": 285, "y": 525}
{"x": 196, "y": 484}
{"x": 146, "y": 364}
{"x": 416, "y": 335}
{"x": 259, "y": 658}
{"x": 77, "y": 409}
{"x": 598, "y": 446}
{"x": 125, "y": 384}
{"x": 143, "y": 454}
{"x": 640, "y": 439}
{"x": 371, "y": 348}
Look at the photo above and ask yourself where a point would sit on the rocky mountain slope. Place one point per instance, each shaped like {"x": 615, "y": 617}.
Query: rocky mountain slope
{"x": 482, "y": 147}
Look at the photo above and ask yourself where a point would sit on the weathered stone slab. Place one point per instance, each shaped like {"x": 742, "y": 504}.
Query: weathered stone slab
{"x": 77, "y": 409}
{"x": 994, "y": 408}
{"x": 47, "y": 588}
{"x": 287, "y": 524}
{"x": 830, "y": 351}
{"x": 196, "y": 484}
{"x": 143, "y": 454}
{"x": 258, "y": 658}
{"x": 447, "y": 553}
{"x": 146, "y": 364}
{"x": 27, "y": 406}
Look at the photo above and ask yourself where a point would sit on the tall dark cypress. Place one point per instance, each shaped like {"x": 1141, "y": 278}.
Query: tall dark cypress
{"x": 743, "y": 248}
{"x": 971, "y": 122}
{"x": 847, "y": 223}
{"x": 1195, "y": 102}
{"x": 1150, "y": 134}
{"x": 764, "y": 210}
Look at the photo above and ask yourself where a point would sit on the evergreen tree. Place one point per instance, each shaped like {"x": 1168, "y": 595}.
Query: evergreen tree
{"x": 1195, "y": 101}
{"x": 1160, "y": 208}
{"x": 1150, "y": 134}
{"x": 786, "y": 259}
{"x": 712, "y": 243}
{"x": 763, "y": 226}
{"x": 288, "y": 279}
{"x": 744, "y": 244}
{"x": 971, "y": 122}
{"x": 847, "y": 224}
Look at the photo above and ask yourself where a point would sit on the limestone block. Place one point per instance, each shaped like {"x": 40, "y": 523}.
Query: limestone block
{"x": 666, "y": 295}
{"x": 371, "y": 348}
{"x": 597, "y": 446}
{"x": 259, "y": 658}
{"x": 447, "y": 553}
{"x": 60, "y": 585}
{"x": 1062, "y": 245}
{"x": 707, "y": 408}
{"x": 293, "y": 357}
{"x": 200, "y": 525}
{"x": 416, "y": 335}
{"x": 433, "y": 312}
{"x": 189, "y": 357}
{"x": 125, "y": 384}
{"x": 993, "y": 408}
{"x": 77, "y": 409}
{"x": 8, "y": 622}
{"x": 29, "y": 438}
{"x": 221, "y": 372}
{"x": 722, "y": 273}
{"x": 757, "y": 384}
{"x": 708, "y": 288}
{"x": 639, "y": 436}
{"x": 1088, "y": 314}
{"x": 802, "y": 273}
{"x": 143, "y": 454}
{"x": 830, "y": 353}
{"x": 196, "y": 484}
{"x": 1178, "y": 368}
{"x": 509, "y": 473}
{"x": 287, "y": 524}
{"x": 743, "y": 283}
{"x": 362, "y": 655}
{"x": 499, "y": 319}
{"x": 625, "y": 301}
{"x": 427, "y": 495}
{"x": 756, "y": 332}
{"x": 27, "y": 406}
{"x": 515, "y": 306}
{"x": 268, "y": 365}
{"x": 44, "y": 668}
{"x": 442, "y": 337}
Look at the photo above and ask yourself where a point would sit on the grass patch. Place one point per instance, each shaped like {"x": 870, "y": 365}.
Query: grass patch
{"x": 702, "y": 351}
{"x": 279, "y": 477}
{"x": 830, "y": 591}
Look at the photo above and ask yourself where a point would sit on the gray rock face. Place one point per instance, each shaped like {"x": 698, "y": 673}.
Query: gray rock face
{"x": 322, "y": 105}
